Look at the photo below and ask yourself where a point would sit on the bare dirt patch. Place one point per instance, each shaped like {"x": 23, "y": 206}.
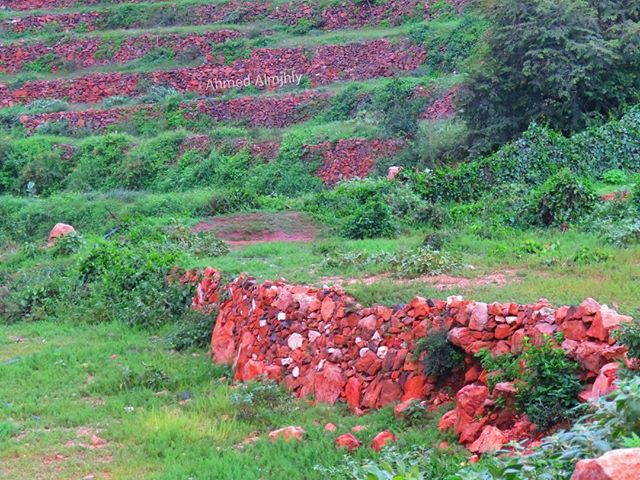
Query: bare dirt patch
{"x": 250, "y": 228}
{"x": 440, "y": 282}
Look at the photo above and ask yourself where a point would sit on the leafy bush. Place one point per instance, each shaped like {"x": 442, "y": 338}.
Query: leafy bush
{"x": 614, "y": 177}
{"x": 545, "y": 379}
{"x": 441, "y": 357}
{"x": 629, "y": 335}
{"x": 67, "y": 244}
{"x": 374, "y": 219}
{"x": 193, "y": 330}
{"x": 418, "y": 463}
{"x": 564, "y": 198}
{"x": 517, "y": 81}
{"x": 127, "y": 283}
{"x": 421, "y": 261}
{"x": 586, "y": 256}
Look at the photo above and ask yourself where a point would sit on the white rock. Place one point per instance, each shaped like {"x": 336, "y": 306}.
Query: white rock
{"x": 295, "y": 341}
{"x": 382, "y": 352}
{"x": 282, "y": 316}
{"x": 313, "y": 335}
{"x": 295, "y": 372}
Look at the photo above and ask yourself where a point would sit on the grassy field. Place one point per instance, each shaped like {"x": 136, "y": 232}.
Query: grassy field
{"x": 64, "y": 383}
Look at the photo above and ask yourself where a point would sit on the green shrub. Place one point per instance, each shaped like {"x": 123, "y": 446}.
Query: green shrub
{"x": 587, "y": 256}
{"x": 421, "y": 261}
{"x": 441, "y": 357}
{"x": 128, "y": 283}
{"x": 67, "y": 244}
{"x": 564, "y": 198}
{"x": 629, "y": 335}
{"x": 605, "y": 427}
{"x": 98, "y": 162}
{"x": 614, "y": 177}
{"x": 374, "y": 219}
{"x": 33, "y": 165}
{"x": 193, "y": 330}
{"x": 545, "y": 379}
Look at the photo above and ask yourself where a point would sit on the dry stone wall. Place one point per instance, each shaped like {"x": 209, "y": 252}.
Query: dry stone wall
{"x": 320, "y": 343}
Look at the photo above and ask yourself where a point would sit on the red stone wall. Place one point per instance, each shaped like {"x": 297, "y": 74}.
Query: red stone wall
{"x": 321, "y": 343}
{"x": 328, "y": 64}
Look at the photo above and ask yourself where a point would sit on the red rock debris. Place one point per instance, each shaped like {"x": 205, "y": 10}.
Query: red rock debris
{"x": 326, "y": 65}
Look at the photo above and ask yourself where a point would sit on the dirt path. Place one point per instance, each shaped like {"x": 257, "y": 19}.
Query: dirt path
{"x": 251, "y": 228}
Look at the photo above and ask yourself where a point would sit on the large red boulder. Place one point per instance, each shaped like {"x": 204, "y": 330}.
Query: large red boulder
{"x": 59, "y": 230}
{"x": 623, "y": 464}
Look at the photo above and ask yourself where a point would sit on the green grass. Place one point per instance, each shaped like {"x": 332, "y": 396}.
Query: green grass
{"x": 66, "y": 386}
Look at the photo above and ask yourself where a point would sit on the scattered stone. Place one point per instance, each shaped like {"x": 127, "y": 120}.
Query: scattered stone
{"x": 382, "y": 439}
{"x": 348, "y": 441}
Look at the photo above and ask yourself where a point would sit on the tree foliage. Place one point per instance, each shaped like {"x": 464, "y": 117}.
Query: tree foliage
{"x": 561, "y": 62}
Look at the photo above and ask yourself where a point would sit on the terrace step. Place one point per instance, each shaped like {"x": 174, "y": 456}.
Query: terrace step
{"x": 96, "y": 51}
{"x": 322, "y": 65}
{"x": 266, "y": 111}
{"x": 350, "y": 14}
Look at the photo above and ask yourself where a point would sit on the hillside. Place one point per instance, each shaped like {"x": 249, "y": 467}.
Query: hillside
{"x": 319, "y": 239}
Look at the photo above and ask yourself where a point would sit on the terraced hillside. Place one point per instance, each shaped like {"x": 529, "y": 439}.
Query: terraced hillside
{"x": 319, "y": 239}
{"x": 228, "y": 65}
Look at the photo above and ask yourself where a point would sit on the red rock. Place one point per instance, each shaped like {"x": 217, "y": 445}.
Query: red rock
{"x": 588, "y": 307}
{"x": 330, "y": 427}
{"x": 251, "y": 370}
{"x": 490, "y": 440}
{"x": 461, "y": 337}
{"x": 358, "y": 428}
{"x": 479, "y": 316}
{"x": 393, "y": 172}
{"x": 348, "y": 441}
{"x": 390, "y": 392}
{"x": 622, "y": 464}
{"x": 604, "y": 382}
{"x": 448, "y": 420}
{"x": 59, "y": 230}
{"x": 605, "y": 321}
{"x": 414, "y": 388}
{"x": 327, "y": 309}
{"x": 287, "y": 434}
{"x": 382, "y": 439}
{"x": 353, "y": 392}
{"x": 575, "y": 330}
{"x": 471, "y": 398}
{"x": 502, "y": 331}
{"x": 329, "y": 383}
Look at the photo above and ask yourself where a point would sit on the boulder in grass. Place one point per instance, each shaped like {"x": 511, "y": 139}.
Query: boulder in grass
{"x": 59, "y": 230}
